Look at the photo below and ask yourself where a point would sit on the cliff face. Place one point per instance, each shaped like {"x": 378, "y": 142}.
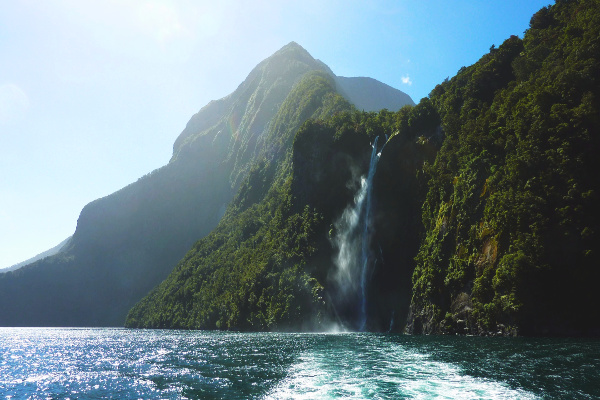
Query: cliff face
{"x": 128, "y": 242}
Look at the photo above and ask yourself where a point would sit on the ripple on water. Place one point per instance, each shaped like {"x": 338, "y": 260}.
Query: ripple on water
{"x": 119, "y": 363}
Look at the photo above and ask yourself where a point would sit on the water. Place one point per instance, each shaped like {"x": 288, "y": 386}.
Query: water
{"x": 366, "y": 235}
{"x": 353, "y": 240}
{"x": 43, "y": 363}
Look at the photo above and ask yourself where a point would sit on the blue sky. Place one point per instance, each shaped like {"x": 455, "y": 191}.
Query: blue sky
{"x": 93, "y": 93}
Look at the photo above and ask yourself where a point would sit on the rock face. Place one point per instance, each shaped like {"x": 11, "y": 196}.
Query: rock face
{"x": 128, "y": 242}
{"x": 368, "y": 94}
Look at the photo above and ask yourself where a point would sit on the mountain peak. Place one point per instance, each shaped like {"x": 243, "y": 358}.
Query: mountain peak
{"x": 293, "y": 51}
{"x": 293, "y": 45}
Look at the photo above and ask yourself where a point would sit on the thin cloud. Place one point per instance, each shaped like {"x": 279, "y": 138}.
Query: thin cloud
{"x": 406, "y": 80}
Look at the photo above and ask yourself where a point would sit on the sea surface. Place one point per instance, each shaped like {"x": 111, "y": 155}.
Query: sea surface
{"x": 40, "y": 363}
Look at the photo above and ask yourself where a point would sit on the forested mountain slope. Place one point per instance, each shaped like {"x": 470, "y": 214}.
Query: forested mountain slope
{"x": 128, "y": 242}
{"x": 270, "y": 262}
{"x": 244, "y": 273}
{"x": 483, "y": 220}
{"x": 511, "y": 215}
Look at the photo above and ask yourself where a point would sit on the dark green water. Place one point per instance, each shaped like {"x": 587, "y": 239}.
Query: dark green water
{"x": 131, "y": 364}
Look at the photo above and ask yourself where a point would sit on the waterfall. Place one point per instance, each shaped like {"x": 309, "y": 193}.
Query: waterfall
{"x": 366, "y": 234}
{"x": 353, "y": 239}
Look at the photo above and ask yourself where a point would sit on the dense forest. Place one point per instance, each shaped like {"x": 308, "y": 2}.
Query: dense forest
{"x": 511, "y": 218}
{"x": 485, "y": 204}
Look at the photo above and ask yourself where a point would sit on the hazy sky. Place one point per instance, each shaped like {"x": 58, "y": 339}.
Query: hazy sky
{"x": 94, "y": 93}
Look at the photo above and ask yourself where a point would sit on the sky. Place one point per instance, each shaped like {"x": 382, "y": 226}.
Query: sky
{"x": 94, "y": 93}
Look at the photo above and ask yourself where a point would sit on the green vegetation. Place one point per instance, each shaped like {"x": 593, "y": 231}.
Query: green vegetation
{"x": 500, "y": 162}
{"x": 267, "y": 265}
{"x": 250, "y": 272}
{"x": 509, "y": 232}
{"x": 485, "y": 219}
{"x": 128, "y": 242}
{"x": 511, "y": 213}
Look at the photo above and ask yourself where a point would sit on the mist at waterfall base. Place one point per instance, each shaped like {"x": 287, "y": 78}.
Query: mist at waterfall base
{"x": 355, "y": 261}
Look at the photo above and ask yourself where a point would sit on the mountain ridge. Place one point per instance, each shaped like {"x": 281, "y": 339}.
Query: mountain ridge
{"x": 50, "y": 252}
{"x": 379, "y": 97}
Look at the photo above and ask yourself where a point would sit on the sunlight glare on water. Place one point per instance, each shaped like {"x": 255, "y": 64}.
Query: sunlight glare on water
{"x": 37, "y": 363}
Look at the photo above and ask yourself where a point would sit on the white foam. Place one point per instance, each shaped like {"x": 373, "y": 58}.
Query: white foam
{"x": 395, "y": 373}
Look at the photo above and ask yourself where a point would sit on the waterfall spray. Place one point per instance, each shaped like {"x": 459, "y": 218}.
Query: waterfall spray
{"x": 354, "y": 239}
